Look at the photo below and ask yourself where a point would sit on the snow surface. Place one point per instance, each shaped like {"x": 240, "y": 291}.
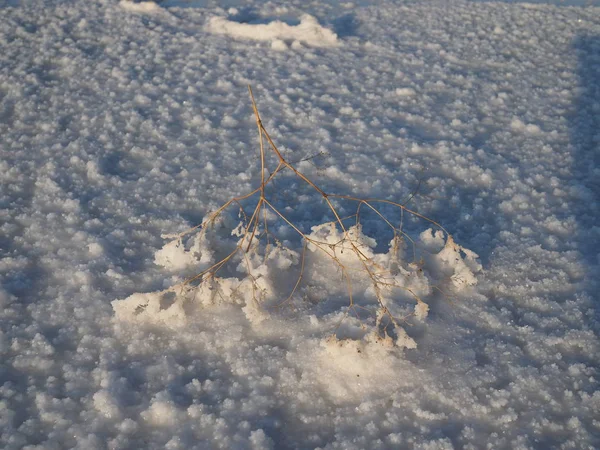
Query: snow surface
{"x": 120, "y": 123}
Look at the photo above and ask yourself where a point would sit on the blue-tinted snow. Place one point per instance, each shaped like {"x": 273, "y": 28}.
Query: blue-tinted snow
{"x": 118, "y": 125}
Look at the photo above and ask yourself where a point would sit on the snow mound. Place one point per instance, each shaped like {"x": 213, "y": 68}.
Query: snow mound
{"x": 458, "y": 263}
{"x": 174, "y": 255}
{"x": 308, "y": 31}
{"x": 140, "y": 7}
{"x": 339, "y": 280}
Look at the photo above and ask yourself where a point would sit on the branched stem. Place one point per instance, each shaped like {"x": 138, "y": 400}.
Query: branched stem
{"x": 378, "y": 276}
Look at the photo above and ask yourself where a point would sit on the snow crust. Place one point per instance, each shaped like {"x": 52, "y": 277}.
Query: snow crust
{"x": 118, "y": 126}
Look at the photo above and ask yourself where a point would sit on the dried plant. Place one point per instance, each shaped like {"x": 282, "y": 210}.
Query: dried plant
{"x": 341, "y": 242}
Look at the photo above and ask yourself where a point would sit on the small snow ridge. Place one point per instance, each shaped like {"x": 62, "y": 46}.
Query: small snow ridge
{"x": 308, "y": 31}
{"x": 139, "y": 7}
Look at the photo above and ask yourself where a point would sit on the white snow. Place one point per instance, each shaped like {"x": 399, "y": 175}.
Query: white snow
{"x": 124, "y": 124}
{"x": 308, "y": 31}
{"x": 139, "y": 7}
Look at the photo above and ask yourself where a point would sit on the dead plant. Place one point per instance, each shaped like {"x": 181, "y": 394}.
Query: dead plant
{"x": 255, "y": 231}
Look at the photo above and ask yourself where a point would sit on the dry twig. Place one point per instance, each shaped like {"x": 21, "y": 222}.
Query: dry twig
{"x": 256, "y": 230}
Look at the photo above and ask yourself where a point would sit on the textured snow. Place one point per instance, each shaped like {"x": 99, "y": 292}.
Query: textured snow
{"x": 120, "y": 123}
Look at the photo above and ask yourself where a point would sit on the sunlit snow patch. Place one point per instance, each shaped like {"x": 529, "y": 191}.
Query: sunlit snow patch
{"x": 175, "y": 256}
{"x": 394, "y": 288}
{"x": 139, "y": 7}
{"x": 308, "y": 31}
